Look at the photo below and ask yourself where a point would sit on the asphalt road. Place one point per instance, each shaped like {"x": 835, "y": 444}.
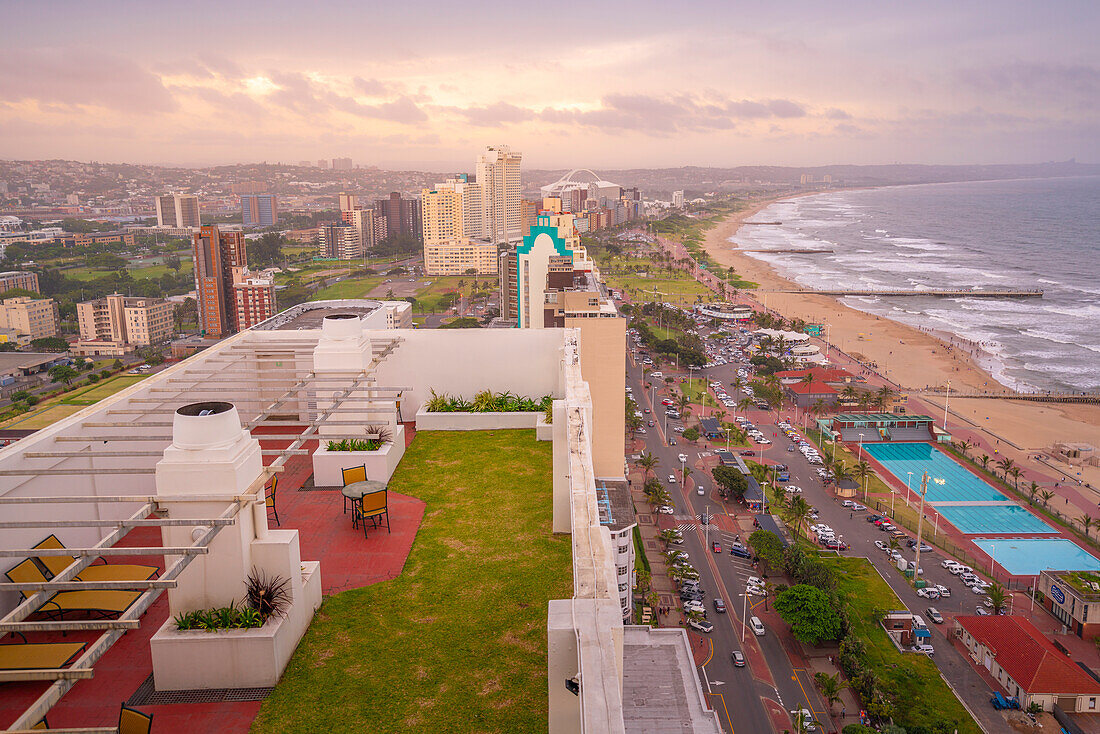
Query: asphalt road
{"x": 794, "y": 688}
{"x": 737, "y": 693}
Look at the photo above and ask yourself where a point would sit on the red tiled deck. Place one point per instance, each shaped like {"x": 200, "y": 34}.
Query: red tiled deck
{"x": 348, "y": 561}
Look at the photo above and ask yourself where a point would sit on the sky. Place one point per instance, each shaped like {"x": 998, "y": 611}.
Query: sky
{"x": 597, "y": 84}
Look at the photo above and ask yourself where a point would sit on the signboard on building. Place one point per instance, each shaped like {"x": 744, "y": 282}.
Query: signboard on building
{"x": 1057, "y": 594}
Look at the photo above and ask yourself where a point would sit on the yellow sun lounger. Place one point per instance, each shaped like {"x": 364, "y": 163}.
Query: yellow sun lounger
{"x": 39, "y": 655}
{"x": 105, "y": 602}
{"x": 109, "y": 572}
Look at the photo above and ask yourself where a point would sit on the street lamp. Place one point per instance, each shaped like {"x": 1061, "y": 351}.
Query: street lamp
{"x": 860, "y": 457}
{"x": 908, "y": 479}
{"x": 920, "y": 522}
{"x": 744, "y": 611}
{"x": 946, "y": 399}
{"x": 683, "y": 477}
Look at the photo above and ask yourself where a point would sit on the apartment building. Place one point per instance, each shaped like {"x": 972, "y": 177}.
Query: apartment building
{"x": 115, "y": 324}
{"x": 18, "y": 279}
{"x": 403, "y": 216}
{"x": 443, "y": 215}
{"x": 459, "y": 256}
{"x": 254, "y": 299}
{"x": 259, "y": 210}
{"x": 177, "y": 210}
{"x": 498, "y": 173}
{"x": 340, "y": 241}
{"x": 32, "y": 318}
{"x": 78, "y": 239}
{"x": 216, "y": 254}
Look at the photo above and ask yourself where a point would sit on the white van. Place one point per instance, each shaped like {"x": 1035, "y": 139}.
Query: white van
{"x": 757, "y": 626}
{"x": 918, "y": 623}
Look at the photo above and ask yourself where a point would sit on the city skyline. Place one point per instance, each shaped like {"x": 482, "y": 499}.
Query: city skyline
{"x": 797, "y": 85}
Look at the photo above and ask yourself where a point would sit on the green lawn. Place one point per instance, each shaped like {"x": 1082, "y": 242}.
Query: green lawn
{"x": 100, "y": 390}
{"x": 696, "y": 390}
{"x": 350, "y": 288}
{"x": 50, "y": 411}
{"x": 457, "y": 642}
{"x": 147, "y": 271}
{"x": 922, "y": 695}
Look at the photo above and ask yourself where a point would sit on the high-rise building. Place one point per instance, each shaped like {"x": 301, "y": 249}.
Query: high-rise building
{"x": 322, "y": 162}
{"x": 498, "y": 173}
{"x": 459, "y": 256}
{"x": 339, "y": 241}
{"x": 368, "y": 225}
{"x": 19, "y": 279}
{"x": 178, "y": 210}
{"x": 347, "y": 202}
{"x": 678, "y": 199}
{"x": 253, "y": 297}
{"x": 115, "y": 324}
{"x": 305, "y": 164}
{"x": 259, "y": 210}
{"x": 528, "y": 213}
{"x": 341, "y": 164}
{"x": 215, "y": 254}
{"x": 442, "y": 210}
{"x": 403, "y": 217}
{"x": 34, "y": 318}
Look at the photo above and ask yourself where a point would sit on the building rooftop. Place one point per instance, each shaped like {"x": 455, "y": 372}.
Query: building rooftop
{"x": 811, "y": 388}
{"x": 661, "y": 691}
{"x": 11, "y": 362}
{"x": 1028, "y": 656}
{"x": 615, "y": 504}
{"x": 310, "y": 315}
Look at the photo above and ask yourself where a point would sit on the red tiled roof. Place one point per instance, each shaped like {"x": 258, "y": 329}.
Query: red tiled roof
{"x": 1028, "y": 656}
{"x": 811, "y": 388}
{"x": 830, "y": 374}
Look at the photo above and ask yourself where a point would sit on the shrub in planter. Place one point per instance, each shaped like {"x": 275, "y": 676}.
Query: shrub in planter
{"x": 487, "y": 401}
{"x": 377, "y": 437}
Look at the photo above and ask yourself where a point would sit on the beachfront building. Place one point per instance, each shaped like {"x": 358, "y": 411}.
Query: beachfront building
{"x": 809, "y": 394}
{"x": 212, "y": 432}
{"x": 1073, "y": 598}
{"x": 1027, "y": 665}
{"x": 881, "y": 427}
{"x": 725, "y": 311}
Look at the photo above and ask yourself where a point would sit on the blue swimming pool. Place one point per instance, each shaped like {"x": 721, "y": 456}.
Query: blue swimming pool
{"x": 1029, "y": 556}
{"x": 977, "y": 519}
{"x": 964, "y": 499}
{"x": 947, "y": 481}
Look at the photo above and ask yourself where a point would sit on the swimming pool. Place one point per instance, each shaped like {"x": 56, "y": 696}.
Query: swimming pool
{"x": 977, "y": 519}
{"x": 1029, "y": 556}
{"x": 947, "y": 481}
{"x": 964, "y": 499}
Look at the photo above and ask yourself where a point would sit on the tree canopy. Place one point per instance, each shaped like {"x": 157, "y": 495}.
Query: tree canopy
{"x": 731, "y": 481}
{"x": 808, "y": 611}
{"x": 768, "y": 547}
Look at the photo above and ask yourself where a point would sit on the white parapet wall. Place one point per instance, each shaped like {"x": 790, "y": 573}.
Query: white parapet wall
{"x": 461, "y": 421}
{"x": 380, "y": 464}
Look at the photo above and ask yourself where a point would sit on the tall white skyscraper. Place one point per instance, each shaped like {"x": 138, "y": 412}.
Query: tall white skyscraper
{"x": 498, "y": 173}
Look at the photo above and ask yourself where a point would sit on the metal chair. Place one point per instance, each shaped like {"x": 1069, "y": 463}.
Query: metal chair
{"x": 373, "y": 506}
{"x": 351, "y": 476}
{"x": 132, "y": 721}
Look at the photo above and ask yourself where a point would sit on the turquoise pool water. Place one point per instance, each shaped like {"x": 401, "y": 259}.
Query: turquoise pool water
{"x": 947, "y": 481}
{"x": 1029, "y": 556}
{"x": 974, "y": 520}
{"x": 950, "y": 483}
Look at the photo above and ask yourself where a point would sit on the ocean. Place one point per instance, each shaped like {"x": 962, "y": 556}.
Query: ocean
{"x": 1035, "y": 233}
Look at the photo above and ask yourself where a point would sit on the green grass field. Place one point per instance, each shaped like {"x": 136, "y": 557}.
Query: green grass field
{"x": 457, "y": 642}
{"x": 350, "y": 288}
{"x": 150, "y": 271}
{"x": 922, "y": 695}
{"x": 62, "y": 406}
{"x": 105, "y": 389}
{"x": 696, "y": 390}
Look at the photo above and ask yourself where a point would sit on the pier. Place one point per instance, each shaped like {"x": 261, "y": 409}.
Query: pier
{"x": 1086, "y": 398}
{"x": 935, "y": 293}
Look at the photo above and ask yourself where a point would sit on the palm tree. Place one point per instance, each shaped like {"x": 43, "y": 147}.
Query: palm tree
{"x": 642, "y": 580}
{"x": 997, "y": 597}
{"x": 1032, "y": 491}
{"x": 779, "y": 498}
{"x": 1004, "y": 465}
{"x": 684, "y": 403}
{"x": 1086, "y": 523}
{"x": 799, "y": 512}
{"x": 807, "y": 379}
{"x": 894, "y": 544}
{"x": 667, "y": 536}
{"x": 1015, "y": 472}
{"x": 985, "y": 461}
{"x": 862, "y": 471}
{"x": 1047, "y": 496}
{"x": 744, "y": 404}
{"x": 884, "y": 397}
{"x": 648, "y": 462}
{"x": 687, "y": 471}
{"x": 830, "y": 687}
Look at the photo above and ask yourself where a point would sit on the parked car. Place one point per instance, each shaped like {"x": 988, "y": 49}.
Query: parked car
{"x": 716, "y": 547}
{"x": 981, "y": 612}
{"x": 672, "y": 479}
{"x": 934, "y": 615}
{"x": 926, "y": 649}
{"x": 666, "y": 510}
{"x": 740, "y": 551}
{"x": 881, "y": 545}
{"x": 701, "y": 625}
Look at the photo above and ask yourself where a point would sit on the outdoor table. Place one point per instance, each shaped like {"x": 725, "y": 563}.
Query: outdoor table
{"x": 356, "y": 490}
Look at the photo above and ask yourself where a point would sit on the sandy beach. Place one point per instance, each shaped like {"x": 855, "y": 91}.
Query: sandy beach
{"x": 907, "y": 356}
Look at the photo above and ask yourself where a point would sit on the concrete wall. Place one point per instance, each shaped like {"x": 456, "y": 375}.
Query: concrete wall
{"x": 466, "y": 361}
{"x": 603, "y": 367}
{"x": 426, "y": 421}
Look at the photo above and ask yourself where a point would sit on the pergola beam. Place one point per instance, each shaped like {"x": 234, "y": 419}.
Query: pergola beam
{"x": 11, "y": 676}
{"x": 81, "y": 625}
{"x": 88, "y": 585}
{"x": 184, "y": 550}
{"x": 154, "y": 523}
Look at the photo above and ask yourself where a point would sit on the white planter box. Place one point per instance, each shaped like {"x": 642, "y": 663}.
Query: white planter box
{"x": 246, "y": 658}
{"x": 426, "y": 421}
{"x": 544, "y": 431}
{"x": 328, "y": 465}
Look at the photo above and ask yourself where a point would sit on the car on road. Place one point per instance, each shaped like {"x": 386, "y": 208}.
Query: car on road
{"x": 748, "y": 452}
{"x": 716, "y": 547}
{"x": 934, "y": 615}
{"x": 740, "y": 551}
{"x": 737, "y": 659}
{"x": 704, "y": 519}
{"x": 720, "y": 606}
{"x": 793, "y": 488}
{"x": 672, "y": 479}
{"x": 651, "y": 424}
{"x": 667, "y": 510}
{"x": 701, "y": 625}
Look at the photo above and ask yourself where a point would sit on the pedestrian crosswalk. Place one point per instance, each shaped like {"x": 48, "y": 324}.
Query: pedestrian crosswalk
{"x": 685, "y": 527}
